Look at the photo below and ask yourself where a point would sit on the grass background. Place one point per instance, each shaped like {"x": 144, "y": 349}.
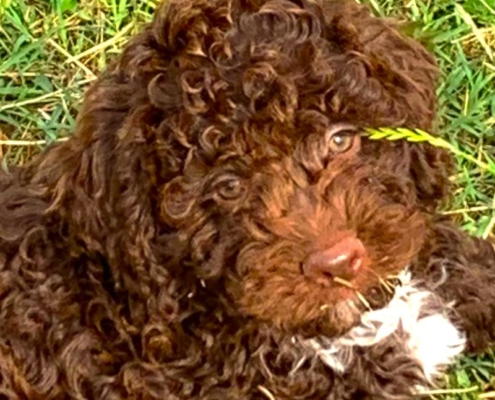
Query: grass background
{"x": 51, "y": 50}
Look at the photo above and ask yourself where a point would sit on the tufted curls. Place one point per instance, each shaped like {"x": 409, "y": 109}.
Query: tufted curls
{"x": 162, "y": 252}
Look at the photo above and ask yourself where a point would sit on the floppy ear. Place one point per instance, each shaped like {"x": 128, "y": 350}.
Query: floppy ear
{"x": 102, "y": 185}
{"x": 100, "y": 192}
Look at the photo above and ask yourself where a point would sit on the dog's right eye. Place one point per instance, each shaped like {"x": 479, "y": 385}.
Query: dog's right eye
{"x": 341, "y": 142}
{"x": 341, "y": 138}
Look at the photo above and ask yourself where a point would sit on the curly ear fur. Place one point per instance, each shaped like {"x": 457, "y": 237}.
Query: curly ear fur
{"x": 80, "y": 266}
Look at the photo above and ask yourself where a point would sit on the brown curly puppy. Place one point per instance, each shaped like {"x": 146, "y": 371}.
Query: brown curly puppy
{"x": 218, "y": 225}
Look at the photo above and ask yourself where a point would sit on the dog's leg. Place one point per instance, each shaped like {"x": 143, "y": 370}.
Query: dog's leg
{"x": 461, "y": 269}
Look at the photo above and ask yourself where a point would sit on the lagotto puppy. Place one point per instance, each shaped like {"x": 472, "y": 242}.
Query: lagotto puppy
{"x": 219, "y": 228}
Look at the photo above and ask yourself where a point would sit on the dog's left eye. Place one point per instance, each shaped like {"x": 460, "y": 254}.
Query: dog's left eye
{"x": 341, "y": 142}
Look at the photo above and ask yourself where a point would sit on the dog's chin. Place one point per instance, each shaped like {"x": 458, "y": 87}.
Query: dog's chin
{"x": 343, "y": 317}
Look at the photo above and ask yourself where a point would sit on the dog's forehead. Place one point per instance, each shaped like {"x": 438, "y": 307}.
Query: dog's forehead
{"x": 275, "y": 73}
{"x": 250, "y": 84}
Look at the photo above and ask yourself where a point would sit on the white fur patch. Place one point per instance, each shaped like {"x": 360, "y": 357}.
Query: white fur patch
{"x": 416, "y": 316}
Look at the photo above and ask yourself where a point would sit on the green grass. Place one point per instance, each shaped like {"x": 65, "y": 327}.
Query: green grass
{"x": 51, "y": 50}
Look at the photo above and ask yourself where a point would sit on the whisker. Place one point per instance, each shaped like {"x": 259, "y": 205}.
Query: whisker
{"x": 388, "y": 287}
{"x": 389, "y": 282}
{"x": 363, "y": 300}
{"x": 343, "y": 282}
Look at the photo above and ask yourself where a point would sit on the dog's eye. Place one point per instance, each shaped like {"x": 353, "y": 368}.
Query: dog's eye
{"x": 341, "y": 142}
{"x": 230, "y": 189}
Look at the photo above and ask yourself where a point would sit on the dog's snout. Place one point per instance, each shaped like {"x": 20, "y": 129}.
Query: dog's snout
{"x": 343, "y": 260}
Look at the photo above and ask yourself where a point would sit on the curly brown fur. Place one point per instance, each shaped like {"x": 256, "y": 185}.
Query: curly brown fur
{"x": 465, "y": 268}
{"x": 157, "y": 253}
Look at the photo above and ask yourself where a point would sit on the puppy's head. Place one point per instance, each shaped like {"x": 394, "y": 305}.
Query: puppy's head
{"x": 271, "y": 196}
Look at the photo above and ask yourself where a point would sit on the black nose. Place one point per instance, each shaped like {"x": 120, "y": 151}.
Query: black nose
{"x": 343, "y": 260}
